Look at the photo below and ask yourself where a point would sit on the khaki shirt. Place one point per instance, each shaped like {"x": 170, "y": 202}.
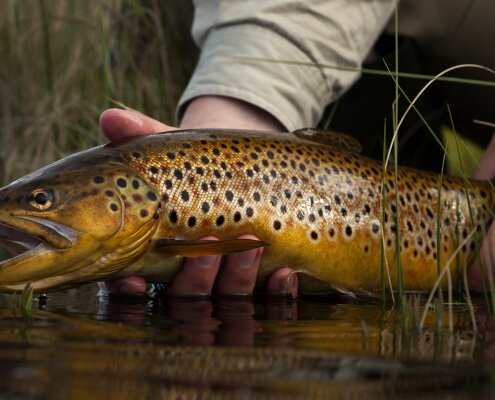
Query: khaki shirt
{"x": 333, "y": 32}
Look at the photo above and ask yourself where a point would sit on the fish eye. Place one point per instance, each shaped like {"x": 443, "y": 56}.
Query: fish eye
{"x": 40, "y": 199}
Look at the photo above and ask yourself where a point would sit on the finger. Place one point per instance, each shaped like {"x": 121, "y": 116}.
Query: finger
{"x": 282, "y": 282}
{"x": 475, "y": 276}
{"x": 486, "y": 166}
{"x": 133, "y": 285}
{"x": 238, "y": 276}
{"x": 197, "y": 276}
{"x": 118, "y": 124}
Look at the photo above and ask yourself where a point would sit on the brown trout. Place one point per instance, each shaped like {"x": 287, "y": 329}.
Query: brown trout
{"x": 139, "y": 207}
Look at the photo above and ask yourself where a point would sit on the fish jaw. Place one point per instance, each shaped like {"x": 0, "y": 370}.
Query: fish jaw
{"x": 42, "y": 249}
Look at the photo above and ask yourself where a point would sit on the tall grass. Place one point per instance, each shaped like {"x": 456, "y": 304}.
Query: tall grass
{"x": 63, "y": 62}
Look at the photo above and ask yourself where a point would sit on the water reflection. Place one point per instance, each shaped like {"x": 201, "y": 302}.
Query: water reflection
{"x": 77, "y": 344}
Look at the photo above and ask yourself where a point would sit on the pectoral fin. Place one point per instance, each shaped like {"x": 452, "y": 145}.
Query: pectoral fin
{"x": 330, "y": 138}
{"x": 199, "y": 248}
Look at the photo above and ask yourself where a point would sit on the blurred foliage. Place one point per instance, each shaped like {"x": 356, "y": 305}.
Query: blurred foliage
{"x": 63, "y": 62}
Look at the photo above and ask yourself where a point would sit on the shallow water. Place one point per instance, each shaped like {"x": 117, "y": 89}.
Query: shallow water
{"x": 78, "y": 345}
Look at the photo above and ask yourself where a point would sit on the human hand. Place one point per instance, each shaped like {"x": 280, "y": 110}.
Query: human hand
{"x": 198, "y": 275}
{"x": 484, "y": 171}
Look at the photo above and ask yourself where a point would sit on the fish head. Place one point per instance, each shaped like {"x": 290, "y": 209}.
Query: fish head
{"x": 74, "y": 225}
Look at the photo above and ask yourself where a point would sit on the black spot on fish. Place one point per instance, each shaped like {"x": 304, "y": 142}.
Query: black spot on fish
{"x": 152, "y": 196}
{"x": 205, "y": 207}
{"x": 153, "y": 170}
{"x": 114, "y": 207}
{"x": 205, "y": 160}
{"x": 173, "y": 216}
{"x": 237, "y": 216}
{"x": 98, "y": 179}
{"x": 109, "y": 193}
{"x": 191, "y": 222}
{"x": 314, "y": 235}
{"x": 200, "y": 170}
{"x": 429, "y": 212}
{"x": 256, "y": 196}
{"x": 185, "y": 195}
{"x": 187, "y": 166}
{"x": 143, "y": 213}
{"x": 249, "y": 212}
{"x": 229, "y": 195}
{"x": 121, "y": 182}
{"x": 331, "y": 232}
{"x": 171, "y": 156}
{"x": 240, "y": 201}
{"x": 136, "y": 154}
{"x": 168, "y": 184}
{"x": 178, "y": 174}
{"x": 277, "y": 225}
{"x": 220, "y": 220}
{"x": 135, "y": 184}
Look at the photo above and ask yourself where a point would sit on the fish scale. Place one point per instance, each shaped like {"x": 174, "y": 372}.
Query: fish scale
{"x": 310, "y": 195}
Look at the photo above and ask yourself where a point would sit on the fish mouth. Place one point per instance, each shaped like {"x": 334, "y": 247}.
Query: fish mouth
{"x": 31, "y": 243}
{"x": 15, "y": 242}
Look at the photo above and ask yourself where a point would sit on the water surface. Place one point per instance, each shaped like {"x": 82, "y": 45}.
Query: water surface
{"x": 76, "y": 344}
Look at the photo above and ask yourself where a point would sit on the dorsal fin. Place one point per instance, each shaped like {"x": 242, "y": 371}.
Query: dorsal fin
{"x": 198, "y": 248}
{"x": 329, "y": 138}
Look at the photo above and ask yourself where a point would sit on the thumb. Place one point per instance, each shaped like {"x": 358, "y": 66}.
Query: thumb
{"x": 119, "y": 124}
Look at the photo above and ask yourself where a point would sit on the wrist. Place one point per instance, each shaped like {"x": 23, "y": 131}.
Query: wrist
{"x": 227, "y": 112}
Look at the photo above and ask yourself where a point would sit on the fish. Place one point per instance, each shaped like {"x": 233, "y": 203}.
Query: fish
{"x": 138, "y": 207}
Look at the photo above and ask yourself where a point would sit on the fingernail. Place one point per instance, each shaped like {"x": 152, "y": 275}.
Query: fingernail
{"x": 288, "y": 284}
{"x": 246, "y": 258}
{"x": 206, "y": 261}
{"x": 133, "y": 117}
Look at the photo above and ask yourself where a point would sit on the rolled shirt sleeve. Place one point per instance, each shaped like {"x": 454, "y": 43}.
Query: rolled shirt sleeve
{"x": 333, "y": 32}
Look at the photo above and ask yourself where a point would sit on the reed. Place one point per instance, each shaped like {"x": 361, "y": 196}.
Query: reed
{"x": 62, "y": 64}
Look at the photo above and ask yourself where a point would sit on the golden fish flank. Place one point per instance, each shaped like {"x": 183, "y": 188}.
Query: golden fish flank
{"x": 132, "y": 208}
